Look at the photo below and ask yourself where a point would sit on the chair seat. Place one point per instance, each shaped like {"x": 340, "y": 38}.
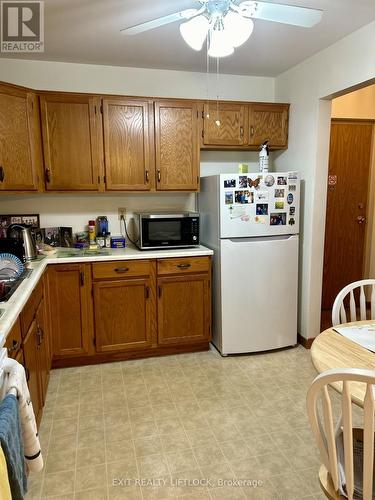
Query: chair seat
{"x": 327, "y": 485}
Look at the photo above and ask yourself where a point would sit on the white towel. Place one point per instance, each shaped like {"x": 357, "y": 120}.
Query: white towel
{"x": 16, "y": 379}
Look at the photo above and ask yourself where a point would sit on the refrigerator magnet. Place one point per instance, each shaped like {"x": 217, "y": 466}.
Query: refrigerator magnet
{"x": 279, "y": 205}
{"x": 292, "y": 221}
{"x": 269, "y": 180}
{"x": 229, "y": 198}
{"x": 261, "y": 196}
{"x": 236, "y": 212}
{"x": 293, "y": 176}
{"x": 260, "y": 219}
{"x": 292, "y": 187}
{"x": 242, "y": 181}
{"x": 282, "y": 181}
{"x": 230, "y": 183}
{"x": 253, "y": 183}
{"x": 261, "y": 209}
{"x": 277, "y": 219}
{"x": 279, "y": 193}
{"x": 292, "y": 210}
{"x": 290, "y": 198}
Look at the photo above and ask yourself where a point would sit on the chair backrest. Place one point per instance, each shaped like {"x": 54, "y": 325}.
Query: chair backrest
{"x": 325, "y": 431}
{"x": 338, "y": 310}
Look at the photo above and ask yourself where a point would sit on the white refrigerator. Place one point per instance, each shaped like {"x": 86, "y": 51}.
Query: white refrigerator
{"x": 251, "y": 221}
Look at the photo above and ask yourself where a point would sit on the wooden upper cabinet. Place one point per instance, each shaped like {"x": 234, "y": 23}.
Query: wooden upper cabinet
{"x": 20, "y": 141}
{"x": 268, "y": 122}
{"x": 129, "y": 163}
{"x": 225, "y": 124}
{"x": 177, "y": 145}
{"x": 72, "y": 141}
{"x": 69, "y": 298}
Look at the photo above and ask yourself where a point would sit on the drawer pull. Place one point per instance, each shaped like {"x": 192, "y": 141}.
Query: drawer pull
{"x": 159, "y": 176}
{"x": 160, "y": 290}
{"x": 2, "y": 175}
{"x": 184, "y": 266}
{"x": 15, "y": 346}
{"x": 147, "y": 176}
{"x": 121, "y": 270}
{"x": 47, "y": 175}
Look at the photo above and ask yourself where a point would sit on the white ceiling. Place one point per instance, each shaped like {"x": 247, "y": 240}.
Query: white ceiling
{"x": 88, "y": 31}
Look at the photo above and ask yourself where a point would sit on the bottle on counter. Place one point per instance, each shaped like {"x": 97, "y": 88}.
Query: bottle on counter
{"x": 92, "y": 233}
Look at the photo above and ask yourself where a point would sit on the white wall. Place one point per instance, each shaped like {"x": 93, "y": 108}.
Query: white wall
{"x": 344, "y": 65}
{"x": 71, "y": 77}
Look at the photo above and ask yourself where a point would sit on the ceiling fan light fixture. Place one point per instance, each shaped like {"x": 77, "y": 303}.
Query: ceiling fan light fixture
{"x": 220, "y": 45}
{"x": 194, "y": 31}
{"x": 237, "y": 28}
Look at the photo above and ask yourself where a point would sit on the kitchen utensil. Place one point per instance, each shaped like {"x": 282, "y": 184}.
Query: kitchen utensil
{"x": 25, "y": 233}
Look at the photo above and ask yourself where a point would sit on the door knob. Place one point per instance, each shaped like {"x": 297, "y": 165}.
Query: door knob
{"x": 361, "y": 219}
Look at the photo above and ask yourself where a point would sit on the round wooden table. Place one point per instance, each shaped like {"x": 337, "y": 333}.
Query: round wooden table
{"x": 331, "y": 350}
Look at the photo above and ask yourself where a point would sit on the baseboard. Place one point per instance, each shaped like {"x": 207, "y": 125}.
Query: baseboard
{"x": 307, "y": 343}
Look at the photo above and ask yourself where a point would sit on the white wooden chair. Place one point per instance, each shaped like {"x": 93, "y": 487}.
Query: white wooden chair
{"x": 328, "y": 436}
{"x": 338, "y": 310}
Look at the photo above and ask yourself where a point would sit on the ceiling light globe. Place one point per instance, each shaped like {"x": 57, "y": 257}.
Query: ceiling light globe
{"x": 194, "y": 32}
{"x": 220, "y": 46}
{"x": 237, "y": 28}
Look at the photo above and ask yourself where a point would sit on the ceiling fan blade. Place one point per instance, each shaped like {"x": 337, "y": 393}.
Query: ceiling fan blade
{"x": 280, "y": 13}
{"x": 160, "y": 21}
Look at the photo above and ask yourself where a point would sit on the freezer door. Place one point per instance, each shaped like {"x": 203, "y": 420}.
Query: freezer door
{"x": 259, "y": 205}
{"x": 258, "y": 293}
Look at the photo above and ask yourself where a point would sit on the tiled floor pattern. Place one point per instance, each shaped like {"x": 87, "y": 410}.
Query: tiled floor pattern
{"x": 180, "y": 421}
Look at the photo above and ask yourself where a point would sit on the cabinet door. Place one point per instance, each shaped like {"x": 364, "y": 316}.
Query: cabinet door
{"x": 177, "y": 145}
{"x": 183, "y": 309}
{"x": 20, "y": 141}
{"x": 69, "y": 296}
{"x": 269, "y": 122}
{"x": 123, "y": 312}
{"x": 224, "y": 124}
{"x": 31, "y": 368}
{"x": 72, "y": 141}
{"x": 127, "y": 148}
{"x": 42, "y": 350}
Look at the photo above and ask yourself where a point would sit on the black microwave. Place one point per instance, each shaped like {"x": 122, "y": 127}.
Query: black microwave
{"x": 157, "y": 230}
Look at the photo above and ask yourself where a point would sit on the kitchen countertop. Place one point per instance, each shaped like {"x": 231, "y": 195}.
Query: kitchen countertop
{"x": 10, "y": 310}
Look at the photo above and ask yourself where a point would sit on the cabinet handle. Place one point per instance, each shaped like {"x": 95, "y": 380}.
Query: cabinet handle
{"x": 27, "y": 373}
{"x": 15, "y": 346}
{"x": 184, "y": 266}
{"x": 47, "y": 175}
{"x": 121, "y": 270}
{"x": 252, "y": 131}
{"x": 159, "y": 291}
{"x": 39, "y": 337}
{"x": 159, "y": 176}
{"x": 147, "y": 292}
{"x": 147, "y": 176}
{"x": 2, "y": 174}
{"x": 241, "y": 132}
{"x": 82, "y": 278}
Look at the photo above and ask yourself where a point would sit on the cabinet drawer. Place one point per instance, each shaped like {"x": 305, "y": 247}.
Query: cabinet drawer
{"x": 183, "y": 265}
{"x": 121, "y": 269}
{"x": 28, "y": 312}
{"x": 13, "y": 341}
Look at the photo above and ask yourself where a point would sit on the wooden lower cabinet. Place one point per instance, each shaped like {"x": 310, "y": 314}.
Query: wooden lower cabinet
{"x": 43, "y": 355}
{"x": 123, "y": 314}
{"x": 183, "y": 309}
{"x": 69, "y": 304}
{"x": 30, "y": 354}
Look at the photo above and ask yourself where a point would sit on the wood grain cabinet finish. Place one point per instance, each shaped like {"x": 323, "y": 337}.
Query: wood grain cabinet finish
{"x": 123, "y": 313}
{"x": 69, "y": 304}
{"x": 128, "y": 145}
{"x": 31, "y": 368}
{"x": 183, "y": 309}
{"x": 176, "y": 145}
{"x": 72, "y": 141}
{"x": 14, "y": 340}
{"x": 232, "y": 130}
{"x": 268, "y": 122}
{"x": 42, "y": 350}
{"x": 20, "y": 140}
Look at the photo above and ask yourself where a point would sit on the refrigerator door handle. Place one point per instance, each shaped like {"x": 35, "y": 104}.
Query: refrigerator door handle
{"x": 263, "y": 238}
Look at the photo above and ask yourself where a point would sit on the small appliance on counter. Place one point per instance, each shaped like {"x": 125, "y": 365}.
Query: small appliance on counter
{"x": 25, "y": 234}
{"x": 157, "y": 230}
{"x": 13, "y": 246}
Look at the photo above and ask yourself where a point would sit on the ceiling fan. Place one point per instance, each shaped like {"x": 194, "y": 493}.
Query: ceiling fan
{"x": 227, "y": 24}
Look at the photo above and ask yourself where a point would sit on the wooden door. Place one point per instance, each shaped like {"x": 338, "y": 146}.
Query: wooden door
{"x": 183, "y": 309}
{"x": 232, "y": 127}
{"x": 349, "y": 164}
{"x": 69, "y": 299}
{"x": 123, "y": 312}
{"x": 268, "y": 122}
{"x": 42, "y": 350}
{"x": 31, "y": 368}
{"x": 20, "y": 140}
{"x": 72, "y": 140}
{"x": 177, "y": 145}
{"x": 127, "y": 145}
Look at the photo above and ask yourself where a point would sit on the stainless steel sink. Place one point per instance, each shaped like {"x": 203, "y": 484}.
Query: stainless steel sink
{"x": 82, "y": 253}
